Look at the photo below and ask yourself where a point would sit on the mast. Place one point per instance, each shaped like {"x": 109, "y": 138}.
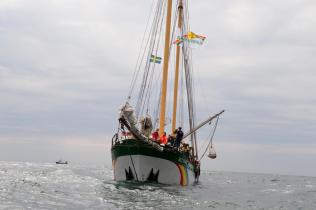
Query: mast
{"x": 176, "y": 77}
{"x": 188, "y": 81}
{"x": 165, "y": 71}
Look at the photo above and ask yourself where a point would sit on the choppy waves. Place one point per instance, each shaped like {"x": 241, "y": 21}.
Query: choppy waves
{"x": 50, "y": 186}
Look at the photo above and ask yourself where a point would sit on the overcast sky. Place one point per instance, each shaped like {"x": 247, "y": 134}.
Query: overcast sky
{"x": 65, "y": 67}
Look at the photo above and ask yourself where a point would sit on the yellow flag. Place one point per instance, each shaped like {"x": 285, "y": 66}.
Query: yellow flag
{"x": 192, "y": 35}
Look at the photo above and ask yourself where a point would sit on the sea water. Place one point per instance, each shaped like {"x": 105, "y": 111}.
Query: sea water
{"x": 51, "y": 186}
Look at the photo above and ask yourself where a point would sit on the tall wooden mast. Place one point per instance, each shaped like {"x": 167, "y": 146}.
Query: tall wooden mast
{"x": 165, "y": 71}
{"x": 176, "y": 76}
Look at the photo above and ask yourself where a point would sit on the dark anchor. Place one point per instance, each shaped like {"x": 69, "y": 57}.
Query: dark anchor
{"x": 152, "y": 177}
{"x": 129, "y": 174}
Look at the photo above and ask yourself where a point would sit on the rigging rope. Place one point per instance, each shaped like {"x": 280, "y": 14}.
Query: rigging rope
{"x": 137, "y": 68}
{"x": 145, "y": 93}
{"x": 151, "y": 68}
{"x": 152, "y": 40}
{"x": 211, "y": 140}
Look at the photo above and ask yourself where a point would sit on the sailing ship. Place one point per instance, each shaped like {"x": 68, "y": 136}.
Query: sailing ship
{"x": 137, "y": 153}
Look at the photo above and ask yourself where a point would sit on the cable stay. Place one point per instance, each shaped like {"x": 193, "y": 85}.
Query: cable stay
{"x": 210, "y": 146}
{"x": 202, "y": 124}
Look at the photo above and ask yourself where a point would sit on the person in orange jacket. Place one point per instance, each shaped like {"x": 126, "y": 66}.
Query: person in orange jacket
{"x": 164, "y": 139}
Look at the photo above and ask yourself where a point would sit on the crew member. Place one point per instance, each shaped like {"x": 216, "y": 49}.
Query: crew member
{"x": 164, "y": 139}
{"x": 155, "y": 135}
{"x": 179, "y": 137}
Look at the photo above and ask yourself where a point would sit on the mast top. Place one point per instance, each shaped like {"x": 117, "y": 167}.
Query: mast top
{"x": 180, "y": 6}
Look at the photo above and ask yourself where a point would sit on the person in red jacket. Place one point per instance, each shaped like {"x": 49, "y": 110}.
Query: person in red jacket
{"x": 164, "y": 139}
{"x": 155, "y": 135}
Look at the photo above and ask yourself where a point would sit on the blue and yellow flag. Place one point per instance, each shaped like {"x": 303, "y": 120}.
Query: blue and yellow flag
{"x": 155, "y": 59}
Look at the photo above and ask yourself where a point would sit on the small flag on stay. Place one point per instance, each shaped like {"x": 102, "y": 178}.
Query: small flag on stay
{"x": 155, "y": 59}
{"x": 190, "y": 37}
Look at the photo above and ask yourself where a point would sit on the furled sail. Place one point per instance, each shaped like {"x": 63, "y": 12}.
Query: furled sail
{"x": 128, "y": 119}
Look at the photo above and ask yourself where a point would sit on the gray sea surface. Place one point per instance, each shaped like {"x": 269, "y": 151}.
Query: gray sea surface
{"x": 51, "y": 186}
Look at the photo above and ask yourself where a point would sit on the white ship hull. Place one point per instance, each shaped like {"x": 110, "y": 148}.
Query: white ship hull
{"x": 153, "y": 169}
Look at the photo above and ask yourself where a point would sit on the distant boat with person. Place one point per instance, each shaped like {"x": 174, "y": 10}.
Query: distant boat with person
{"x": 61, "y": 162}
